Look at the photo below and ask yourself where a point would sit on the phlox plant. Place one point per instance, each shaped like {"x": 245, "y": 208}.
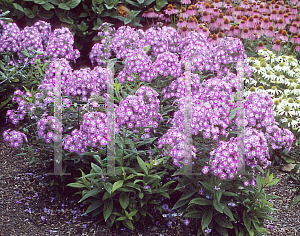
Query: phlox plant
{"x": 143, "y": 125}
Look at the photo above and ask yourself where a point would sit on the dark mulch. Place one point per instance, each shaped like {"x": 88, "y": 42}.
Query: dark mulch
{"x": 23, "y": 199}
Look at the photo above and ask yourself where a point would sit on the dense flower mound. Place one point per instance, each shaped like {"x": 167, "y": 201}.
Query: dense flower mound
{"x": 124, "y": 40}
{"x": 100, "y": 54}
{"x": 177, "y": 87}
{"x": 279, "y": 138}
{"x": 174, "y": 141}
{"x": 167, "y": 64}
{"x": 49, "y": 80}
{"x": 44, "y": 29}
{"x": 48, "y": 126}
{"x": 10, "y": 38}
{"x": 14, "y": 137}
{"x": 258, "y": 110}
{"x": 31, "y": 37}
{"x": 139, "y": 110}
{"x": 137, "y": 62}
{"x": 92, "y": 133}
{"x": 60, "y": 45}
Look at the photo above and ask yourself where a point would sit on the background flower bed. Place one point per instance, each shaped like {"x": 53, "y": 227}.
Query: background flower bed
{"x": 151, "y": 52}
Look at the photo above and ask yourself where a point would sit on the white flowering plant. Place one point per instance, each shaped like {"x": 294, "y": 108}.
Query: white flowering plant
{"x": 278, "y": 76}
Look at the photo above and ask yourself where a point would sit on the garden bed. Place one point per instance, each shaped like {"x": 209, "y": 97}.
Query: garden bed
{"x": 15, "y": 220}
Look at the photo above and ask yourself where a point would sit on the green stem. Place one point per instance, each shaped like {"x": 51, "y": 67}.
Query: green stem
{"x": 124, "y": 148}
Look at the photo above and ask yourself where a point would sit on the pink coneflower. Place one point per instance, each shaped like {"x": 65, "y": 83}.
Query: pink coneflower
{"x": 294, "y": 11}
{"x": 297, "y": 21}
{"x": 151, "y": 13}
{"x": 238, "y": 18}
{"x": 280, "y": 24}
{"x": 230, "y": 33}
{"x": 181, "y": 22}
{"x": 216, "y": 12}
{"x": 256, "y": 19}
{"x": 294, "y": 39}
{"x": 254, "y": 37}
{"x": 145, "y": 14}
{"x": 236, "y": 11}
{"x": 250, "y": 11}
{"x": 245, "y": 34}
{"x": 192, "y": 10}
{"x": 298, "y": 38}
{"x": 200, "y": 5}
{"x": 250, "y": 22}
{"x": 280, "y": 14}
{"x": 205, "y": 32}
{"x": 191, "y": 24}
{"x": 270, "y": 32}
{"x": 213, "y": 25}
{"x": 160, "y": 15}
{"x": 214, "y": 39}
{"x": 174, "y": 10}
{"x": 183, "y": 31}
{"x": 217, "y": 3}
{"x": 237, "y": 31}
{"x": 242, "y": 25}
{"x": 260, "y": 46}
{"x": 286, "y": 19}
{"x": 277, "y": 45}
{"x": 259, "y": 30}
{"x": 205, "y": 16}
{"x": 283, "y": 36}
{"x": 293, "y": 28}
{"x": 183, "y": 13}
{"x": 298, "y": 4}
{"x": 169, "y": 10}
{"x": 298, "y": 48}
{"x": 261, "y": 9}
{"x": 220, "y": 36}
{"x": 243, "y": 12}
{"x": 273, "y": 15}
{"x": 265, "y": 23}
{"x": 225, "y": 25}
{"x": 245, "y": 4}
{"x": 228, "y": 16}
{"x": 186, "y": 2}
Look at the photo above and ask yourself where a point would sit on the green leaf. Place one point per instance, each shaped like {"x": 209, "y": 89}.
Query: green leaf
{"x": 40, "y": 1}
{"x": 272, "y": 182}
{"x": 117, "y": 185}
{"x": 132, "y": 213}
{"x": 108, "y": 207}
{"x": 271, "y": 196}
{"x": 217, "y": 205}
{"x": 223, "y": 231}
{"x": 108, "y": 186}
{"x": 206, "y": 219}
{"x": 259, "y": 184}
{"x": 29, "y": 13}
{"x": 64, "y": 6}
{"x": 142, "y": 165}
{"x": 124, "y": 200}
{"x": 90, "y": 193}
{"x": 96, "y": 168}
{"x": 127, "y": 223}
{"x": 180, "y": 203}
{"x": 247, "y": 221}
{"x": 141, "y": 195}
{"x": 18, "y": 7}
{"x": 93, "y": 206}
{"x": 207, "y": 186}
{"x": 222, "y": 221}
{"x": 228, "y": 212}
{"x": 297, "y": 199}
{"x": 48, "y": 6}
{"x": 195, "y": 214}
{"x": 76, "y": 185}
{"x": 73, "y": 3}
{"x": 55, "y": 2}
{"x": 218, "y": 195}
{"x": 121, "y": 218}
{"x": 200, "y": 201}
{"x": 140, "y": 1}
{"x": 230, "y": 194}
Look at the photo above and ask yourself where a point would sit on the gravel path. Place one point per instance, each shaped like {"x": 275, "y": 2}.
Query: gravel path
{"x": 23, "y": 199}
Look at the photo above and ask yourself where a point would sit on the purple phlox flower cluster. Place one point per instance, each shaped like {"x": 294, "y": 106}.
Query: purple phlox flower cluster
{"x": 100, "y": 53}
{"x": 177, "y": 87}
{"x": 124, "y": 40}
{"x": 139, "y": 110}
{"x": 10, "y": 39}
{"x": 80, "y": 84}
{"x": 44, "y": 100}
{"x": 167, "y": 64}
{"x": 20, "y": 98}
{"x": 258, "y": 110}
{"x": 279, "y": 138}
{"x": 223, "y": 160}
{"x": 14, "y": 137}
{"x": 92, "y": 133}
{"x": 256, "y": 148}
{"x": 45, "y": 31}
{"x": 174, "y": 140}
{"x": 210, "y": 119}
{"x": 193, "y": 38}
{"x": 172, "y": 38}
{"x": 199, "y": 55}
{"x": 31, "y": 37}
{"x": 49, "y": 80}
{"x": 60, "y": 45}
{"x": 47, "y": 128}
{"x": 137, "y": 61}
